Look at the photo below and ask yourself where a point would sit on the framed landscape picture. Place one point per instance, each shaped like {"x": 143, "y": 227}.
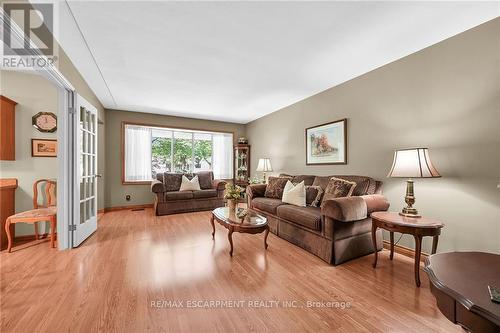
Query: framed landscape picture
{"x": 43, "y": 148}
{"x": 327, "y": 143}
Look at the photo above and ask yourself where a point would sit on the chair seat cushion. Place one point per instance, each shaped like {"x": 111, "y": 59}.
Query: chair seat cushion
{"x": 177, "y": 195}
{"x": 267, "y": 205}
{"x": 205, "y": 193}
{"x": 309, "y": 217}
{"x": 36, "y": 213}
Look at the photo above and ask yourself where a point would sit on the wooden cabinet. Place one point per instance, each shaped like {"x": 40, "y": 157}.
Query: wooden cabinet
{"x": 7, "y": 129}
{"x": 242, "y": 164}
{"x": 7, "y": 206}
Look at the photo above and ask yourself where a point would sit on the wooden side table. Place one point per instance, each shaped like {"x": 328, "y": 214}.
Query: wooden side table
{"x": 459, "y": 281}
{"x": 418, "y": 227}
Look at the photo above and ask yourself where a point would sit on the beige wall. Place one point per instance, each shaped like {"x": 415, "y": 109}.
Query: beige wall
{"x": 447, "y": 98}
{"x": 42, "y": 97}
{"x": 141, "y": 194}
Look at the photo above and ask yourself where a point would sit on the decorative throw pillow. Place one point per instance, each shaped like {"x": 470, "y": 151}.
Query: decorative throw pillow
{"x": 338, "y": 188}
{"x": 275, "y": 186}
{"x": 172, "y": 181}
{"x": 313, "y": 195}
{"x": 205, "y": 179}
{"x": 190, "y": 185}
{"x": 295, "y": 194}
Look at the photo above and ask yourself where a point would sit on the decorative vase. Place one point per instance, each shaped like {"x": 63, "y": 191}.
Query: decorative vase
{"x": 231, "y": 204}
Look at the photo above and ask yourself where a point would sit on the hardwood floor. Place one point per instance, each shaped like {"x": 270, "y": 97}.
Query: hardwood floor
{"x": 136, "y": 258}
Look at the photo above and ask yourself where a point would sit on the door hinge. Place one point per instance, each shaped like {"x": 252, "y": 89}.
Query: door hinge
{"x": 72, "y": 110}
{"x": 72, "y": 227}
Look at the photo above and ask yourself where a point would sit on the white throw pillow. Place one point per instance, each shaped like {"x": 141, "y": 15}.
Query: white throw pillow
{"x": 190, "y": 185}
{"x": 295, "y": 194}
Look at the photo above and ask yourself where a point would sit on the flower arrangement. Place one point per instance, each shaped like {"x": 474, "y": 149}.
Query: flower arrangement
{"x": 233, "y": 192}
{"x": 256, "y": 180}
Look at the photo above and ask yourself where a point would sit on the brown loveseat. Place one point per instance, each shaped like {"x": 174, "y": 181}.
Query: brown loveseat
{"x": 337, "y": 232}
{"x": 169, "y": 200}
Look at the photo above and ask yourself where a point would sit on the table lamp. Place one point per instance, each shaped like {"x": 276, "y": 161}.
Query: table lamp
{"x": 412, "y": 163}
{"x": 264, "y": 166}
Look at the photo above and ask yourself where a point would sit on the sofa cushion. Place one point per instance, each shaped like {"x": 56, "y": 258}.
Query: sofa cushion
{"x": 190, "y": 184}
{"x": 267, "y": 205}
{"x": 309, "y": 217}
{"x": 176, "y": 195}
{"x": 364, "y": 185}
{"x": 321, "y": 181}
{"x": 307, "y": 179}
{"x": 294, "y": 194}
{"x": 205, "y": 179}
{"x": 205, "y": 193}
{"x": 275, "y": 186}
{"x": 314, "y": 194}
{"x": 172, "y": 181}
{"x": 338, "y": 188}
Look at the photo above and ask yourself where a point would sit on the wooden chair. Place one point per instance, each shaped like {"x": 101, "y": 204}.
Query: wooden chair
{"x": 40, "y": 213}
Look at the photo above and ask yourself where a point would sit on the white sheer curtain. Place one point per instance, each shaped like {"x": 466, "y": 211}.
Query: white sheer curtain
{"x": 137, "y": 153}
{"x": 223, "y": 155}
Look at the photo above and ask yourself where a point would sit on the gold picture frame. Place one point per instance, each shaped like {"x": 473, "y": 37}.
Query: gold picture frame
{"x": 326, "y": 144}
{"x": 43, "y": 148}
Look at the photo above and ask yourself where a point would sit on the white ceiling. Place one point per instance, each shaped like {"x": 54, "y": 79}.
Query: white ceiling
{"x": 238, "y": 61}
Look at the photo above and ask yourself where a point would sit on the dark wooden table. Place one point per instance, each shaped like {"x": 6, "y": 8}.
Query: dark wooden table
{"x": 459, "y": 281}
{"x": 418, "y": 227}
{"x": 252, "y": 223}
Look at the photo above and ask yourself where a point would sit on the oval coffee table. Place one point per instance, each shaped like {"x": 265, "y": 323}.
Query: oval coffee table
{"x": 252, "y": 223}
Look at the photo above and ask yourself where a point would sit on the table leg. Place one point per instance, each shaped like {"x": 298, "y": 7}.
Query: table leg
{"x": 434, "y": 244}
{"x": 9, "y": 235}
{"x": 418, "y": 249}
{"x": 213, "y": 227}
{"x": 265, "y": 237}
{"x": 392, "y": 245}
{"x": 374, "y": 240}
{"x": 230, "y": 237}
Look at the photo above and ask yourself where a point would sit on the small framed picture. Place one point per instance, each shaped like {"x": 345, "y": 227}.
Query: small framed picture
{"x": 327, "y": 143}
{"x": 43, "y": 148}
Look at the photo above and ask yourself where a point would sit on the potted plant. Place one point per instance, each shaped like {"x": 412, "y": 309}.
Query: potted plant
{"x": 232, "y": 194}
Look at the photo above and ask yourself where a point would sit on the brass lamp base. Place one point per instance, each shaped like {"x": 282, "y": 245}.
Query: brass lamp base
{"x": 409, "y": 211}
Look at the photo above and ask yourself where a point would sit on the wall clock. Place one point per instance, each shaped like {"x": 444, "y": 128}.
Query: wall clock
{"x": 45, "y": 122}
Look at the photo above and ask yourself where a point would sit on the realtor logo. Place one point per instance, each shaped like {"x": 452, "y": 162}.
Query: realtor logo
{"x": 28, "y": 35}
{"x": 36, "y": 20}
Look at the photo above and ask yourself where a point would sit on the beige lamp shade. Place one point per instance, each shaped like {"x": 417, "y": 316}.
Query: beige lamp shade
{"x": 413, "y": 163}
{"x": 264, "y": 165}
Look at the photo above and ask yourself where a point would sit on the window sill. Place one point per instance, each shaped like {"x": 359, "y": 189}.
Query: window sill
{"x": 137, "y": 182}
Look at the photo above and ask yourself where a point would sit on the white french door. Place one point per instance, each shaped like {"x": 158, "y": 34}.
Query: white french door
{"x": 85, "y": 182}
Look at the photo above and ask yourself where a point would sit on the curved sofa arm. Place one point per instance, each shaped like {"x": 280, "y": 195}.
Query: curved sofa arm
{"x": 375, "y": 203}
{"x": 220, "y": 186}
{"x": 157, "y": 186}
{"x": 349, "y": 209}
{"x": 254, "y": 191}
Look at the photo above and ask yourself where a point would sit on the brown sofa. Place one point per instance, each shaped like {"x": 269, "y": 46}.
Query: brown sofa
{"x": 337, "y": 232}
{"x": 169, "y": 200}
